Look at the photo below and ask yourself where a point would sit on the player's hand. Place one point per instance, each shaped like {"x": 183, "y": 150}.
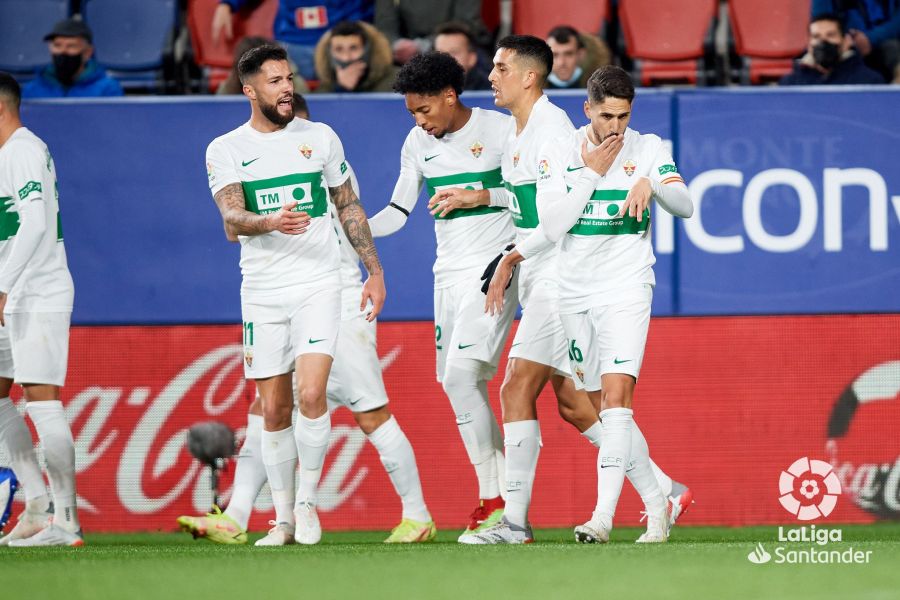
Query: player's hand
{"x": 289, "y": 221}
{"x": 601, "y": 158}
{"x": 493, "y": 304}
{"x": 221, "y": 23}
{"x": 374, "y": 291}
{"x": 488, "y": 274}
{"x": 3, "y": 297}
{"x": 637, "y": 200}
{"x": 861, "y": 41}
{"x": 350, "y": 76}
{"x": 446, "y": 201}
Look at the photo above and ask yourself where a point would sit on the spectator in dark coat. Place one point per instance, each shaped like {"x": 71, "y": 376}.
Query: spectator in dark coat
{"x": 455, "y": 38}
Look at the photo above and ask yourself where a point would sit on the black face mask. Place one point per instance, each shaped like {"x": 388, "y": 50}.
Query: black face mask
{"x": 66, "y": 66}
{"x": 827, "y": 55}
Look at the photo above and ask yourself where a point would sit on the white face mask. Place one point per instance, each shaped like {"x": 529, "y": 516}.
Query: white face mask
{"x": 556, "y": 81}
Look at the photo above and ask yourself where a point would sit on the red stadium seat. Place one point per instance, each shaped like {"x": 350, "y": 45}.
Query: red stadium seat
{"x": 768, "y": 35}
{"x": 216, "y": 57}
{"x": 668, "y": 41}
{"x": 535, "y": 17}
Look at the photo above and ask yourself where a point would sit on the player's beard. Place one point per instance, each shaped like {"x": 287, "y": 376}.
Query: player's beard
{"x": 270, "y": 111}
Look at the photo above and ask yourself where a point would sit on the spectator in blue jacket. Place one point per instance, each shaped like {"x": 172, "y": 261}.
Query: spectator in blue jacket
{"x": 830, "y": 58}
{"x": 874, "y": 26}
{"x": 299, "y": 24}
{"x": 73, "y": 72}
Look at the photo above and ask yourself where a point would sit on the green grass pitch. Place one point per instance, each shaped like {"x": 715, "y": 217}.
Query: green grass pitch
{"x": 698, "y": 562}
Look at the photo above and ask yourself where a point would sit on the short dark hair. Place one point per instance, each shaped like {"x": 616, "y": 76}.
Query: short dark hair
{"x": 349, "y": 28}
{"x": 429, "y": 74}
{"x": 9, "y": 88}
{"x": 842, "y": 27}
{"x": 610, "y": 81}
{"x": 300, "y": 104}
{"x": 253, "y": 59}
{"x": 457, "y": 28}
{"x": 564, "y": 33}
{"x": 530, "y": 48}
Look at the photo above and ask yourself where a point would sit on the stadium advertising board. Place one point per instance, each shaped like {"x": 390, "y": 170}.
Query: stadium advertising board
{"x": 825, "y": 387}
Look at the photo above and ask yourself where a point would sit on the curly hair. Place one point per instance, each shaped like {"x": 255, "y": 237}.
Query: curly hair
{"x": 429, "y": 74}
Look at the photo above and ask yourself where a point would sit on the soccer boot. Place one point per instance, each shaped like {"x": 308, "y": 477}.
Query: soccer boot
{"x": 657, "y": 527}
{"x": 29, "y": 524}
{"x": 503, "y": 532}
{"x": 679, "y": 504}
{"x": 409, "y": 531}
{"x": 215, "y": 526}
{"x": 308, "y": 531}
{"x": 8, "y": 486}
{"x": 52, "y": 535}
{"x": 592, "y": 532}
{"x": 487, "y": 514}
{"x": 281, "y": 534}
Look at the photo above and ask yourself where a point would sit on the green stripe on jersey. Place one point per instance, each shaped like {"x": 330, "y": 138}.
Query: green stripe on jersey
{"x": 266, "y": 196}
{"x": 524, "y": 204}
{"x": 599, "y": 216}
{"x": 9, "y": 221}
{"x": 470, "y": 181}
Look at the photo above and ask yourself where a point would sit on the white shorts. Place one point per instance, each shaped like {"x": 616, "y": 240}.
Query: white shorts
{"x": 281, "y": 325}
{"x": 540, "y": 337}
{"x": 610, "y": 338}
{"x": 462, "y": 330}
{"x": 34, "y": 347}
{"x": 355, "y": 380}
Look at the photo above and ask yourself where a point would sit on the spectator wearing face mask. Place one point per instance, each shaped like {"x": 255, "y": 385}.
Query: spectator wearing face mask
{"x": 73, "y": 72}
{"x": 354, "y": 57}
{"x": 830, "y": 58}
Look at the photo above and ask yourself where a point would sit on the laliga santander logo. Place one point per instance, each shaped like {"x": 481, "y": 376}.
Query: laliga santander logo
{"x": 809, "y": 489}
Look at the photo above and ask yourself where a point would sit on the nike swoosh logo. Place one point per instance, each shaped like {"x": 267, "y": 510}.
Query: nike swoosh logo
{"x": 244, "y": 164}
{"x": 619, "y": 362}
{"x": 427, "y": 158}
{"x": 607, "y": 466}
{"x": 352, "y": 402}
{"x": 312, "y": 341}
{"x": 570, "y": 169}
{"x": 463, "y": 347}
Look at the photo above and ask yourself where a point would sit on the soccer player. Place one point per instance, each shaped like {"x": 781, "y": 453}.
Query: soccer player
{"x": 606, "y": 275}
{"x": 540, "y": 350}
{"x": 36, "y": 294}
{"x": 271, "y": 179}
{"x": 452, "y": 145}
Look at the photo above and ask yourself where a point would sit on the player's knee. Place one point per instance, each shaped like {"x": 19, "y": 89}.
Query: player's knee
{"x": 370, "y": 421}
{"x": 311, "y": 399}
{"x": 277, "y": 416}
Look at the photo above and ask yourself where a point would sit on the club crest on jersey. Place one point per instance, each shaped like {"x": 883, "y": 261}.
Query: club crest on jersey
{"x": 306, "y": 151}
{"x": 516, "y": 159}
{"x": 580, "y": 373}
{"x": 476, "y": 149}
{"x": 544, "y": 169}
{"x": 210, "y": 174}
{"x": 248, "y": 357}
{"x": 629, "y": 167}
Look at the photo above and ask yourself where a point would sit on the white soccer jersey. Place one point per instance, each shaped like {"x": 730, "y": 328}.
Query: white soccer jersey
{"x": 27, "y": 174}
{"x": 298, "y": 163}
{"x": 521, "y": 169}
{"x": 469, "y": 158}
{"x": 604, "y": 253}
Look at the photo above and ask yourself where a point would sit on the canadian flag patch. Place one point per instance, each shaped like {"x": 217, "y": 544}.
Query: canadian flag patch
{"x": 312, "y": 17}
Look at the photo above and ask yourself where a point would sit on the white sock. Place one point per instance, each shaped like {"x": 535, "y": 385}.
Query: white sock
{"x": 312, "y": 444}
{"x": 612, "y": 460}
{"x": 16, "y": 443}
{"x": 279, "y": 455}
{"x": 641, "y": 475}
{"x": 59, "y": 452}
{"x": 523, "y": 444}
{"x": 469, "y": 399}
{"x": 399, "y": 461}
{"x": 249, "y": 474}
{"x": 593, "y": 434}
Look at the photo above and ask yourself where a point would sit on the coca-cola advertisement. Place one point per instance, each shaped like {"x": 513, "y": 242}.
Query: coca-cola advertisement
{"x": 724, "y": 402}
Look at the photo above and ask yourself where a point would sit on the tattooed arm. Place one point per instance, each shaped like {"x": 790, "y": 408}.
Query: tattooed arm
{"x": 240, "y": 221}
{"x": 356, "y": 226}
